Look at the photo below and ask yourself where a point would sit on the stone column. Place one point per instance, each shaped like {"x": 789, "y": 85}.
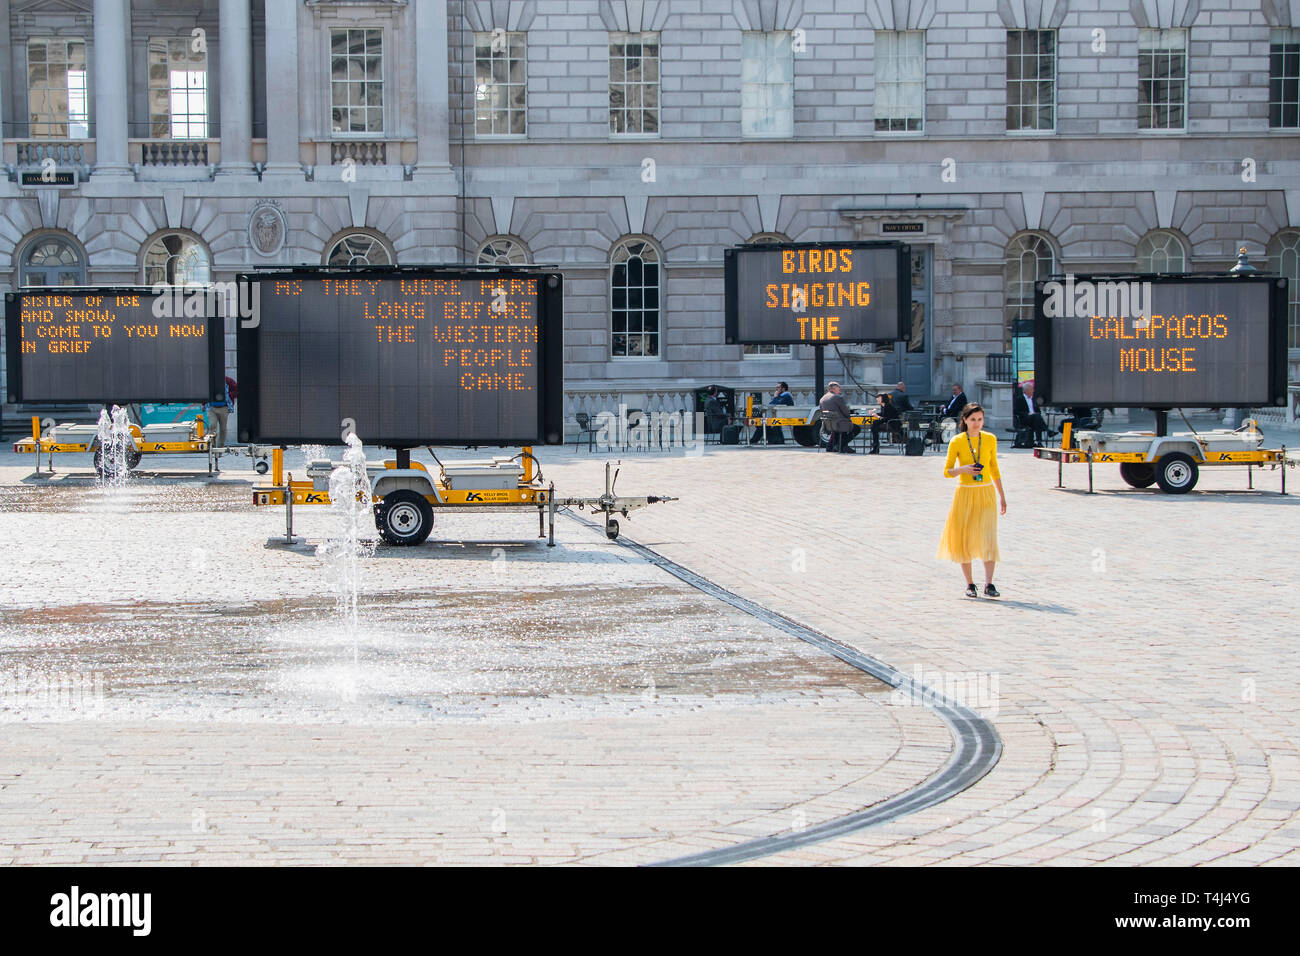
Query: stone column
{"x": 112, "y": 28}
{"x": 6, "y": 48}
{"x": 235, "y": 28}
{"x": 432, "y": 95}
{"x": 283, "y": 135}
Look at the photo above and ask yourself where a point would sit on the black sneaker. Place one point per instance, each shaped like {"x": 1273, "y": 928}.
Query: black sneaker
{"x": 972, "y": 591}
{"x": 990, "y": 590}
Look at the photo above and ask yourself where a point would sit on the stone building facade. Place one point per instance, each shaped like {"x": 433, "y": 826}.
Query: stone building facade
{"x": 629, "y": 142}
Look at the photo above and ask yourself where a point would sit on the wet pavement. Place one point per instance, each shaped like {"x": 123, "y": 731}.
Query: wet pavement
{"x": 153, "y": 644}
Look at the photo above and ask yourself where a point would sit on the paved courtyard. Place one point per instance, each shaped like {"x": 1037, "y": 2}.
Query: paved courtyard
{"x": 174, "y": 690}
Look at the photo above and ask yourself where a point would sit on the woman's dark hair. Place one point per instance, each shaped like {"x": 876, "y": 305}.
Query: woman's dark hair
{"x": 970, "y": 409}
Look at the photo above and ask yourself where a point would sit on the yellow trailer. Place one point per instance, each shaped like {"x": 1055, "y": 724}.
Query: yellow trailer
{"x": 186, "y": 437}
{"x": 405, "y": 495}
{"x": 1172, "y": 462}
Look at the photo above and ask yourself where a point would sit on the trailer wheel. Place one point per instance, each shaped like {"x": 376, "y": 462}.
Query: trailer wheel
{"x": 404, "y": 517}
{"x": 611, "y": 529}
{"x": 1137, "y": 474}
{"x": 132, "y": 460}
{"x": 1176, "y": 473}
{"x": 807, "y": 435}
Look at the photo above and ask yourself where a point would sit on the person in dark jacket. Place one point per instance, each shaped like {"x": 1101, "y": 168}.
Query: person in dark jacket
{"x": 714, "y": 417}
{"x": 956, "y": 403}
{"x": 775, "y": 434}
{"x": 888, "y": 416}
{"x": 899, "y": 399}
{"x": 840, "y": 420}
{"x": 1026, "y": 414}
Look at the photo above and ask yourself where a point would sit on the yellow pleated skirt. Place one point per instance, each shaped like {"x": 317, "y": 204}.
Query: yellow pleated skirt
{"x": 971, "y": 532}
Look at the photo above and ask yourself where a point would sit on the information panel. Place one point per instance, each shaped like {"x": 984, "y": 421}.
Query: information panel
{"x": 403, "y": 357}
{"x": 1161, "y": 341}
{"x": 113, "y": 345}
{"x": 817, "y": 293}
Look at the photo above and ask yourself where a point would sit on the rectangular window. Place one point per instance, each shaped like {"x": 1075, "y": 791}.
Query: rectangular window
{"x": 1162, "y": 79}
{"x": 500, "y": 84}
{"x": 1284, "y": 79}
{"x": 634, "y": 83}
{"x": 900, "y": 81}
{"x": 1031, "y": 79}
{"x": 58, "y": 97}
{"x": 357, "y": 80}
{"x": 178, "y": 89}
{"x": 766, "y": 85}
{"x": 754, "y": 351}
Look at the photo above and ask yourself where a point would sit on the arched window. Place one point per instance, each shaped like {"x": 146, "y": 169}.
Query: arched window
{"x": 1030, "y": 258}
{"x": 1161, "y": 252}
{"x": 634, "y": 299}
{"x": 358, "y": 249}
{"x": 756, "y": 351}
{"x": 52, "y": 260}
{"x": 1284, "y": 259}
{"x": 503, "y": 251}
{"x": 177, "y": 259}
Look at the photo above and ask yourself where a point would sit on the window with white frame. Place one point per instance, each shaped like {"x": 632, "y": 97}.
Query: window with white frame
{"x": 1030, "y": 258}
{"x": 1162, "y": 79}
{"x": 1031, "y": 79}
{"x": 58, "y": 97}
{"x": 634, "y": 299}
{"x": 500, "y": 84}
{"x": 178, "y": 89}
{"x": 759, "y": 351}
{"x": 503, "y": 251}
{"x": 1161, "y": 252}
{"x": 900, "y": 81}
{"x": 1284, "y": 79}
{"x": 766, "y": 84}
{"x": 359, "y": 249}
{"x": 1284, "y": 259}
{"x": 177, "y": 259}
{"x": 634, "y": 83}
{"x": 357, "y": 80}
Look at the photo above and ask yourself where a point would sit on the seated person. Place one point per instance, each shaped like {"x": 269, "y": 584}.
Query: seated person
{"x": 1025, "y": 414}
{"x": 889, "y": 418}
{"x": 714, "y": 415}
{"x": 839, "y": 421}
{"x": 775, "y": 435}
{"x": 899, "y": 399}
{"x": 954, "y": 405}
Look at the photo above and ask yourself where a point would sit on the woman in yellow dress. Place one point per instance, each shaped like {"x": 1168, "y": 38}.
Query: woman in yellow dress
{"x": 971, "y": 533}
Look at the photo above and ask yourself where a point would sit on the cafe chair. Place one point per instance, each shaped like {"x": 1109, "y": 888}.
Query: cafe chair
{"x": 585, "y": 429}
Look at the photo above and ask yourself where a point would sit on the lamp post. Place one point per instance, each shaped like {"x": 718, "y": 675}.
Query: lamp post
{"x": 1235, "y": 416}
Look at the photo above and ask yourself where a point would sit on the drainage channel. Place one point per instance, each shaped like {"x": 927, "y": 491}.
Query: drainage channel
{"x": 976, "y": 744}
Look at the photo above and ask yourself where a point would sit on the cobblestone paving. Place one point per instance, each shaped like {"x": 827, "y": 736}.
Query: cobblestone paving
{"x": 1140, "y": 669}
{"x": 1144, "y": 650}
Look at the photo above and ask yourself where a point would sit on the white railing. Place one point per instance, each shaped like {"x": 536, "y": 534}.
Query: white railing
{"x": 172, "y": 152}
{"x": 370, "y": 152}
{"x": 668, "y": 402}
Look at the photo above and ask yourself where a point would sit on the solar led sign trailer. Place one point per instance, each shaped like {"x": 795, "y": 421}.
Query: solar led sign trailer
{"x": 408, "y": 356}
{"x": 820, "y": 293}
{"x": 112, "y": 345}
